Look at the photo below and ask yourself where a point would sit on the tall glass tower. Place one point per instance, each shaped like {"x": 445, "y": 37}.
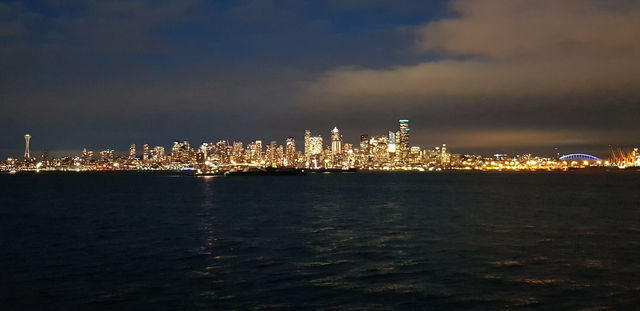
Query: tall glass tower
{"x": 402, "y": 140}
{"x": 336, "y": 142}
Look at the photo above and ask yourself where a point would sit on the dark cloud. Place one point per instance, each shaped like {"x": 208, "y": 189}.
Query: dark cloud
{"x": 566, "y": 67}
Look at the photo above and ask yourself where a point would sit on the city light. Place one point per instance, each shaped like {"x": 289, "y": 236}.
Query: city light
{"x": 387, "y": 152}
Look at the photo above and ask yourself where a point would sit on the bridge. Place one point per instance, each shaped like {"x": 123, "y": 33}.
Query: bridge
{"x": 579, "y": 157}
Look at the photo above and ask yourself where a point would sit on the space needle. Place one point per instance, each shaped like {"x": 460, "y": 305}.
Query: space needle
{"x": 27, "y": 138}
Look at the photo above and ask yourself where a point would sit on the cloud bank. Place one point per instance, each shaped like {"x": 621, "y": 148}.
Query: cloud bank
{"x": 514, "y": 64}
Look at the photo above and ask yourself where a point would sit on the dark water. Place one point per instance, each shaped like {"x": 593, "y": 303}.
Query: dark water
{"x": 365, "y": 241}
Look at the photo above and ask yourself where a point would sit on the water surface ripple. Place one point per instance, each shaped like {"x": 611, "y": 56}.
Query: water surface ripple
{"x": 365, "y": 241}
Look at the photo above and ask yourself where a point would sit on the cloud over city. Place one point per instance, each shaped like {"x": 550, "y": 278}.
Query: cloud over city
{"x": 522, "y": 61}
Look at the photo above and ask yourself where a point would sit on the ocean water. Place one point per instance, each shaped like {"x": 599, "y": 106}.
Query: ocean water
{"x": 364, "y": 241}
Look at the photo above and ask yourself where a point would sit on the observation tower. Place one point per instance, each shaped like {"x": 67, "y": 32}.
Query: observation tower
{"x": 27, "y": 138}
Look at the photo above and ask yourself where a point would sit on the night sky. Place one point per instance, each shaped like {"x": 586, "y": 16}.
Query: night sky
{"x": 510, "y": 76}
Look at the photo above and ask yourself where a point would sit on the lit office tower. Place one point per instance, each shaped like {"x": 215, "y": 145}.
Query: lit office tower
{"x": 237, "y": 149}
{"x": 158, "y": 153}
{"x": 445, "y": 157}
{"x": 307, "y": 143}
{"x": 315, "y": 145}
{"x": 87, "y": 155}
{"x": 271, "y": 150}
{"x": 279, "y": 159}
{"x": 27, "y": 138}
{"x": 255, "y": 151}
{"x": 145, "y": 152}
{"x": 364, "y": 144}
{"x": 403, "y": 140}
{"x": 259, "y": 150}
{"x": 391, "y": 147}
{"x": 132, "y": 151}
{"x": 336, "y": 142}
{"x": 290, "y": 151}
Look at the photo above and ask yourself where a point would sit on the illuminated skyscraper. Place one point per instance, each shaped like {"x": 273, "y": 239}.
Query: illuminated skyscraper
{"x": 27, "y": 154}
{"x": 379, "y": 148}
{"x": 392, "y": 142}
{"x": 158, "y": 153}
{"x": 145, "y": 152}
{"x": 106, "y": 155}
{"x": 259, "y": 149}
{"x": 279, "y": 155}
{"x": 271, "y": 151}
{"x": 403, "y": 140}
{"x": 307, "y": 141}
{"x": 87, "y": 156}
{"x": 237, "y": 150}
{"x": 182, "y": 152}
{"x": 315, "y": 145}
{"x": 132, "y": 151}
{"x": 445, "y": 158}
{"x": 290, "y": 152}
{"x": 364, "y": 144}
{"x": 336, "y": 142}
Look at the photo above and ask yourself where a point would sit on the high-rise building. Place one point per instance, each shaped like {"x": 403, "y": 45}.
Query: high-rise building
{"x": 255, "y": 151}
{"x": 237, "y": 148}
{"x": 391, "y": 147}
{"x": 445, "y": 157}
{"x": 27, "y": 139}
{"x": 203, "y": 153}
{"x": 182, "y": 152}
{"x": 132, "y": 151}
{"x": 158, "y": 153}
{"x": 145, "y": 152}
{"x": 402, "y": 140}
{"x": 364, "y": 144}
{"x": 307, "y": 143}
{"x": 315, "y": 145}
{"x": 87, "y": 156}
{"x": 290, "y": 151}
{"x": 106, "y": 155}
{"x": 271, "y": 151}
{"x": 279, "y": 155}
{"x": 259, "y": 148}
{"x": 336, "y": 142}
{"x": 347, "y": 148}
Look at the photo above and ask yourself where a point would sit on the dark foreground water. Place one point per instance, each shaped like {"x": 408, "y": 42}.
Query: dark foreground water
{"x": 365, "y": 241}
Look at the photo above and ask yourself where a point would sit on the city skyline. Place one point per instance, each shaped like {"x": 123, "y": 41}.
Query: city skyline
{"x": 390, "y": 151}
{"x": 111, "y": 73}
{"x": 320, "y": 143}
